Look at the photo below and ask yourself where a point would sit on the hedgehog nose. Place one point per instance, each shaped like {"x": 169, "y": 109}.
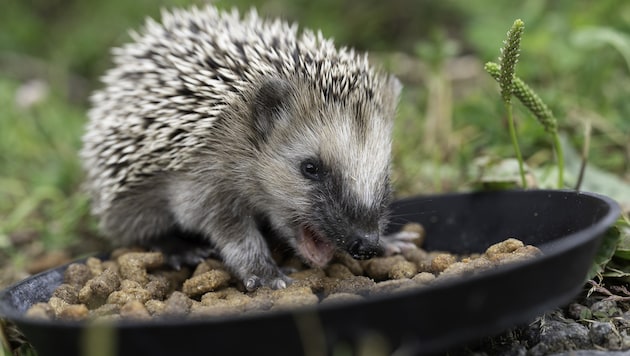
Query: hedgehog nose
{"x": 364, "y": 245}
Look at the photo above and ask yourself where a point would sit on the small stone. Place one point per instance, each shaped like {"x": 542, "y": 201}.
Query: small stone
{"x": 625, "y": 340}
{"x": 605, "y": 309}
{"x": 553, "y": 335}
{"x": 579, "y": 312}
{"x": 604, "y": 334}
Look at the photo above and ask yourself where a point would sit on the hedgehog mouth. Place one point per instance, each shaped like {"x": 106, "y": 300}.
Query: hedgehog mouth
{"x": 314, "y": 247}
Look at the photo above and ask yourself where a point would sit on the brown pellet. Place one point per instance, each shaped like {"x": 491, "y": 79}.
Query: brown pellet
{"x": 135, "y": 284}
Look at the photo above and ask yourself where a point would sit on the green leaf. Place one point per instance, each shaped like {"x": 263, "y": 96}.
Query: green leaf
{"x": 623, "y": 247}
{"x": 605, "y": 252}
{"x": 595, "y": 37}
{"x": 493, "y": 174}
{"x": 596, "y": 179}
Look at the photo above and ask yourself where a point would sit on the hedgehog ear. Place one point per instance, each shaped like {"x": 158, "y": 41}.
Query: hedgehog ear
{"x": 269, "y": 102}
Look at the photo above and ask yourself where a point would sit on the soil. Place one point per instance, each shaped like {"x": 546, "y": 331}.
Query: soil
{"x": 597, "y": 322}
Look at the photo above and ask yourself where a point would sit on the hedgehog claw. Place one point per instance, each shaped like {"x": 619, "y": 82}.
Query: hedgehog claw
{"x": 281, "y": 283}
{"x": 254, "y": 282}
{"x": 174, "y": 262}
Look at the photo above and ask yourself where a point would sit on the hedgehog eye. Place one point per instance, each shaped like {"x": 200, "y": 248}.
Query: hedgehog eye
{"x": 311, "y": 170}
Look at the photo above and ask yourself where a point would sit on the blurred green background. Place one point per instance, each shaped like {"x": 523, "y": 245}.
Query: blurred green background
{"x": 575, "y": 53}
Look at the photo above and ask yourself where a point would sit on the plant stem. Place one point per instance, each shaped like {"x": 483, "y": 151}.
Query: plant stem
{"x": 560, "y": 157}
{"x": 541, "y": 111}
{"x": 585, "y": 150}
{"x": 517, "y": 150}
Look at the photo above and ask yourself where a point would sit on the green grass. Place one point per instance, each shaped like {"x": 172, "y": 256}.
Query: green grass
{"x": 40, "y": 175}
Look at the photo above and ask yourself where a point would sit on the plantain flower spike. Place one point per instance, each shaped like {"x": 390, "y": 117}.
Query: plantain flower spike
{"x": 509, "y": 58}
{"x": 528, "y": 97}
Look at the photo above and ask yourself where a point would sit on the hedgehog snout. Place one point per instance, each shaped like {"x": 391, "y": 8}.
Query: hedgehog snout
{"x": 363, "y": 245}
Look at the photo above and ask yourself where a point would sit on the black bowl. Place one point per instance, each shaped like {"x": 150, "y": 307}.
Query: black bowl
{"x": 567, "y": 226}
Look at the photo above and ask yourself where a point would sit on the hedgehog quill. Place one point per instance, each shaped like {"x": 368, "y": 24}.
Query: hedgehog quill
{"x": 230, "y": 128}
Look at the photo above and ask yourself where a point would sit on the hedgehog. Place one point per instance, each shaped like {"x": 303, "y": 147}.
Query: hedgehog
{"x": 236, "y": 130}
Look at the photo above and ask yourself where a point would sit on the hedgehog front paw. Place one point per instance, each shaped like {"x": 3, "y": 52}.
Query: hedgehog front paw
{"x": 254, "y": 282}
{"x": 400, "y": 241}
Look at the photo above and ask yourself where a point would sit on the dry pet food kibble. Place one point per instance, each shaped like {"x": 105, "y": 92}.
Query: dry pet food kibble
{"x": 137, "y": 285}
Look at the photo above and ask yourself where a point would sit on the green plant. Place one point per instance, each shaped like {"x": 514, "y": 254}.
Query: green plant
{"x": 511, "y": 85}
